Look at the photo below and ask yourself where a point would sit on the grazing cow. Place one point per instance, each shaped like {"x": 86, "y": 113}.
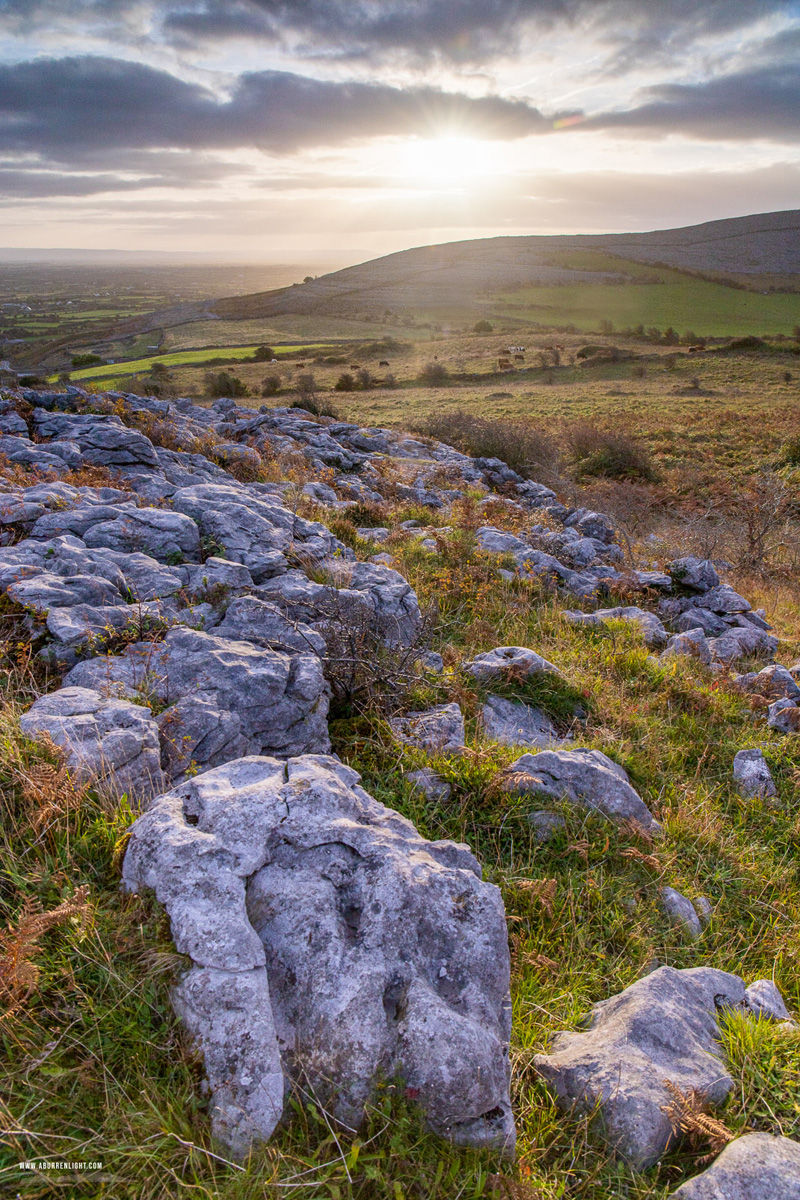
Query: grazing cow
{"x": 383, "y": 363}
{"x": 519, "y": 358}
{"x": 504, "y": 364}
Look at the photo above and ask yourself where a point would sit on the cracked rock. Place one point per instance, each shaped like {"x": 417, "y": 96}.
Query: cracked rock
{"x": 756, "y": 1166}
{"x": 310, "y": 909}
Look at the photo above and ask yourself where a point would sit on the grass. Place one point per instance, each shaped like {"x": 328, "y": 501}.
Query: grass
{"x": 710, "y": 309}
{"x": 185, "y": 358}
{"x": 95, "y": 1066}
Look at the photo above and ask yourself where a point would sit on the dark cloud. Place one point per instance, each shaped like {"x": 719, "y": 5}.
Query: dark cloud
{"x": 762, "y": 103}
{"x": 63, "y": 107}
{"x": 458, "y": 30}
{"x": 462, "y": 30}
{"x": 29, "y": 185}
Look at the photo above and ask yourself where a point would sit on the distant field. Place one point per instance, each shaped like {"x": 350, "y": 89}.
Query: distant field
{"x": 184, "y": 358}
{"x": 710, "y": 309}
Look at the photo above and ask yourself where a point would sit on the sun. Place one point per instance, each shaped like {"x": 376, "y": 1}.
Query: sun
{"x": 446, "y": 161}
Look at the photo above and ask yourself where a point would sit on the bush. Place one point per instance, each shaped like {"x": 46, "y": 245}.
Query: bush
{"x": 87, "y": 360}
{"x": 345, "y": 383}
{"x": 608, "y": 453}
{"x": 222, "y": 383}
{"x": 264, "y": 354}
{"x": 525, "y": 448}
{"x": 309, "y": 404}
{"x": 389, "y": 381}
{"x": 366, "y": 379}
{"x": 270, "y": 385}
{"x": 482, "y": 327}
{"x": 433, "y": 374}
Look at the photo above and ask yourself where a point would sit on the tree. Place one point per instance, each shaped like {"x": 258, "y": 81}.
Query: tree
{"x": 366, "y": 379}
{"x": 270, "y": 385}
{"x": 308, "y": 279}
{"x": 263, "y": 354}
{"x": 345, "y": 383}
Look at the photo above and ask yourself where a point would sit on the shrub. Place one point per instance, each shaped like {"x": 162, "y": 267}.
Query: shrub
{"x": 525, "y": 448}
{"x": 263, "y": 354}
{"x": 87, "y": 360}
{"x": 482, "y": 327}
{"x": 345, "y": 383}
{"x": 270, "y": 385}
{"x": 222, "y": 383}
{"x": 306, "y": 385}
{"x": 366, "y": 379}
{"x": 389, "y": 381}
{"x": 434, "y": 374}
{"x": 608, "y": 453}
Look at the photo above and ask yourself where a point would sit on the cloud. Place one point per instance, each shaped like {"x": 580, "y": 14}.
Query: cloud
{"x": 63, "y": 107}
{"x": 460, "y": 31}
{"x": 760, "y": 103}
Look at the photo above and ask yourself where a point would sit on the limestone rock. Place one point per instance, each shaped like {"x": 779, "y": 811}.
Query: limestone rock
{"x": 439, "y": 730}
{"x": 429, "y": 784}
{"x": 384, "y": 953}
{"x": 773, "y": 682}
{"x": 155, "y": 531}
{"x": 681, "y": 912}
{"x": 279, "y": 700}
{"x": 764, "y": 999}
{"x": 663, "y": 1027}
{"x": 784, "y": 715}
{"x": 546, "y": 825}
{"x": 752, "y": 774}
{"x": 513, "y": 723}
{"x": 756, "y": 1166}
{"x": 508, "y": 662}
{"x": 691, "y": 644}
{"x": 585, "y": 777}
{"x": 249, "y": 619}
{"x": 738, "y": 642}
{"x": 107, "y": 742}
{"x": 653, "y": 632}
{"x": 698, "y": 574}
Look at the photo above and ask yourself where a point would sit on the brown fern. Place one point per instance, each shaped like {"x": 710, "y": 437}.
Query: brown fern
{"x": 19, "y": 974}
{"x": 543, "y": 890}
{"x": 49, "y": 790}
{"x": 689, "y": 1117}
{"x": 649, "y": 860}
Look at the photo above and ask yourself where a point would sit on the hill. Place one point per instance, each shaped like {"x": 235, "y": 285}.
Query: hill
{"x": 460, "y": 272}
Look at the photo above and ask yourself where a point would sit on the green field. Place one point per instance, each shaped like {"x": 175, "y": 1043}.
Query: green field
{"x": 182, "y": 359}
{"x": 710, "y": 309}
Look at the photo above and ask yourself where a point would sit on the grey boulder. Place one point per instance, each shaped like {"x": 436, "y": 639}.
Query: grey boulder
{"x": 309, "y": 908}
{"x": 439, "y": 730}
{"x": 663, "y": 1027}
{"x": 756, "y": 1166}
{"x": 109, "y": 743}
{"x": 681, "y": 912}
{"x": 653, "y": 631}
{"x": 508, "y": 662}
{"x": 512, "y": 723}
{"x": 784, "y": 715}
{"x": 691, "y": 644}
{"x": 752, "y": 775}
{"x": 584, "y": 777}
{"x": 764, "y": 1000}
{"x": 697, "y": 574}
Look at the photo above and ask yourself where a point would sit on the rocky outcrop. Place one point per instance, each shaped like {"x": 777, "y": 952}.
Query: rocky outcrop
{"x": 331, "y": 945}
{"x": 439, "y": 730}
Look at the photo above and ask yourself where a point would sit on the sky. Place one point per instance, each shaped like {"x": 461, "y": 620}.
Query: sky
{"x": 331, "y": 131}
